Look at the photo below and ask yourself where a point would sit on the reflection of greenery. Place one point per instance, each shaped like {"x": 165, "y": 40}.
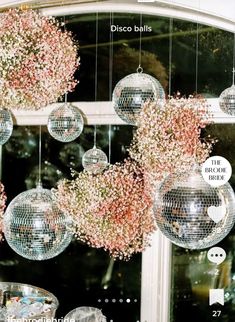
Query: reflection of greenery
{"x": 127, "y": 59}
{"x": 214, "y": 54}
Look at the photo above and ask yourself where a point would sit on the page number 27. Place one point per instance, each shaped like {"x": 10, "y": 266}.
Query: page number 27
{"x": 215, "y": 314}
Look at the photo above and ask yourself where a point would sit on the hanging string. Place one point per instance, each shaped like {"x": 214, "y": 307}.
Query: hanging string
{"x": 110, "y": 58}
{"x": 196, "y": 59}
{"x": 196, "y": 50}
{"x": 40, "y": 156}
{"x": 96, "y": 66}
{"x": 110, "y": 82}
{"x": 170, "y": 55}
{"x": 96, "y": 52}
{"x": 95, "y": 132}
{"x": 64, "y": 28}
{"x": 140, "y": 43}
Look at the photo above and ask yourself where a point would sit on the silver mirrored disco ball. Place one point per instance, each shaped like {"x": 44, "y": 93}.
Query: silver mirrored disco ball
{"x": 65, "y": 123}
{"x": 227, "y": 100}
{"x": 191, "y": 213}
{"x": 6, "y": 125}
{"x": 94, "y": 160}
{"x": 132, "y": 92}
{"x": 34, "y": 227}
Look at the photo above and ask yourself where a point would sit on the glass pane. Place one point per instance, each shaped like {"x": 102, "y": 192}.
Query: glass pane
{"x": 214, "y": 54}
{"x": 80, "y": 276}
{"x": 193, "y": 275}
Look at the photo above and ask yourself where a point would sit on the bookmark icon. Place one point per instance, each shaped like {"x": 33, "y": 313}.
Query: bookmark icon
{"x": 216, "y": 296}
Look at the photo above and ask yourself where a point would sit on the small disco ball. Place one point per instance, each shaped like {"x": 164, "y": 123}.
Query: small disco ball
{"x": 34, "y": 227}
{"x": 193, "y": 214}
{"x": 65, "y": 123}
{"x": 6, "y": 125}
{"x": 94, "y": 160}
{"x": 132, "y": 92}
{"x": 227, "y": 100}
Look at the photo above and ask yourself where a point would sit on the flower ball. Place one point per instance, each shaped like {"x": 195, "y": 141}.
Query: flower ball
{"x": 227, "y": 100}
{"x": 38, "y": 60}
{"x": 132, "y": 92}
{"x": 34, "y": 227}
{"x": 193, "y": 214}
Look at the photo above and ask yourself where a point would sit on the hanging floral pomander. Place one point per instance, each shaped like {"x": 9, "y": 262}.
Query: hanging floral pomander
{"x": 169, "y": 140}
{"x": 111, "y": 210}
{"x": 37, "y": 60}
{"x": 2, "y": 208}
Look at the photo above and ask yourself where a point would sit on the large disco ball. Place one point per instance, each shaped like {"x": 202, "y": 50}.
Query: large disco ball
{"x": 6, "y": 125}
{"x": 65, "y": 123}
{"x": 132, "y": 92}
{"x": 193, "y": 214}
{"x": 227, "y": 100}
{"x": 34, "y": 227}
{"x": 94, "y": 160}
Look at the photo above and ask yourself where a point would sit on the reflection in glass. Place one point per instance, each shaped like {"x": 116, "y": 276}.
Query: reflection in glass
{"x": 71, "y": 155}
{"x": 22, "y": 143}
{"x": 50, "y": 175}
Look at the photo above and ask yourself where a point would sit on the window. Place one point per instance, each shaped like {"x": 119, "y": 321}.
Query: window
{"x": 81, "y": 275}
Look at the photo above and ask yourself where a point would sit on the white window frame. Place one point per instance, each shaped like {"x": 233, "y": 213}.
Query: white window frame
{"x": 156, "y": 260}
{"x": 103, "y": 113}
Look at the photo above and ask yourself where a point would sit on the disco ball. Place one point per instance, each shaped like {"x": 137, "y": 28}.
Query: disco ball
{"x": 132, "y": 92}
{"x": 6, "y": 125}
{"x": 34, "y": 227}
{"x": 227, "y": 100}
{"x": 193, "y": 214}
{"x": 94, "y": 160}
{"x": 65, "y": 123}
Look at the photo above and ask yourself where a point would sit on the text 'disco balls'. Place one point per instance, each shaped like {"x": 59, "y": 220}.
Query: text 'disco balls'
{"x": 191, "y": 213}
{"x": 132, "y": 92}
{"x": 34, "y": 227}
{"x": 94, "y": 160}
{"x": 6, "y": 125}
{"x": 227, "y": 100}
{"x": 65, "y": 123}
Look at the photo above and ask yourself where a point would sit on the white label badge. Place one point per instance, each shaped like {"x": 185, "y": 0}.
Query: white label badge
{"x": 216, "y": 171}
